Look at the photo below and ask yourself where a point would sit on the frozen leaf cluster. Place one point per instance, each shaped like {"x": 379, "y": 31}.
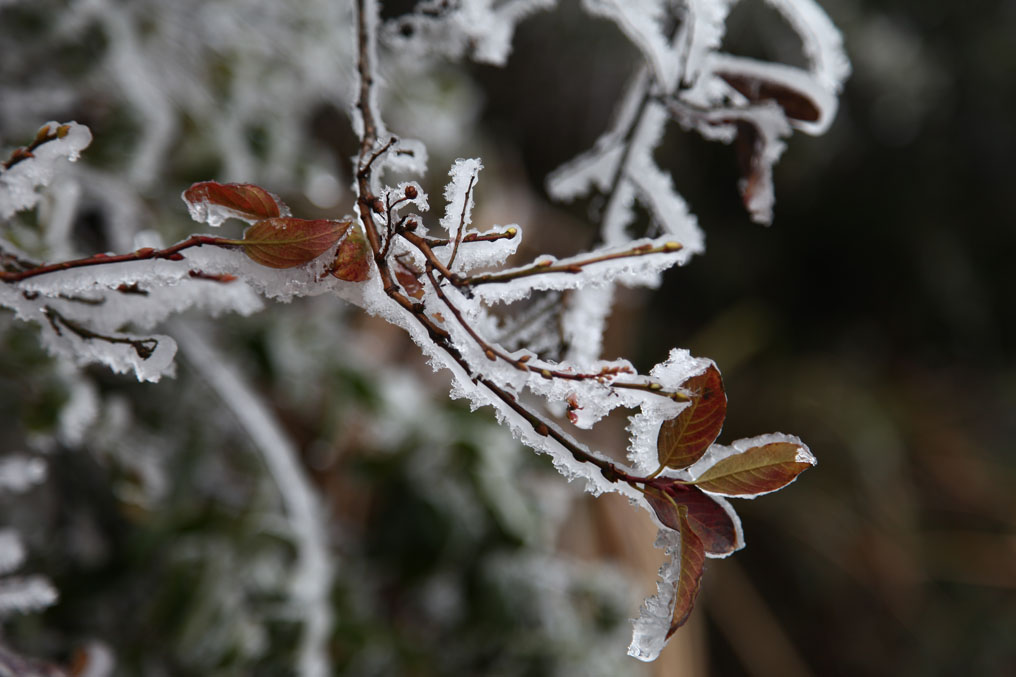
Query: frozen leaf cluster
{"x": 450, "y": 283}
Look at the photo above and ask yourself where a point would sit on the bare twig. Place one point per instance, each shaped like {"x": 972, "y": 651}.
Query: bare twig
{"x": 462, "y": 220}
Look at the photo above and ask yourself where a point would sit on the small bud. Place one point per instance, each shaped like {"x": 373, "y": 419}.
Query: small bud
{"x": 512, "y": 232}
{"x": 411, "y": 225}
{"x": 545, "y": 264}
{"x": 144, "y": 251}
{"x": 655, "y": 386}
{"x": 42, "y": 134}
{"x": 411, "y": 192}
{"x": 490, "y": 354}
{"x": 542, "y": 430}
{"x": 672, "y": 246}
{"x": 62, "y": 131}
{"x": 377, "y": 206}
{"x": 524, "y": 358}
{"x": 545, "y": 373}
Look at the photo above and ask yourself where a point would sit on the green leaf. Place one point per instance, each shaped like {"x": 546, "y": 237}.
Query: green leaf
{"x": 757, "y": 470}
{"x": 285, "y": 242}
{"x": 686, "y": 437}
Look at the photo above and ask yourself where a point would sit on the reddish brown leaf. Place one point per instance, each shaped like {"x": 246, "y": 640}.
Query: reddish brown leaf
{"x": 285, "y": 242}
{"x": 352, "y": 261}
{"x": 684, "y": 438}
{"x": 246, "y": 199}
{"x": 409, "y": 280}
{"x": 711, "y": 523}
{"x": 794, "y": 103}
{"x": 757, "y": 470}
{"x": 693, "y": 559}
{"x": 748, "y": 147}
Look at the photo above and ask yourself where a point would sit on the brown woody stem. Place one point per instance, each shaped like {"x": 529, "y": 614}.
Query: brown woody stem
{"x": 171, "y": 253}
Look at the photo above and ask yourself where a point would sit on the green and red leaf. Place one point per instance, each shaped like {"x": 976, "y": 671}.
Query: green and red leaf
{"x": 693, "y": 559}
{"x": 285, "y": 242}
{"x": 757, "y": 470}
{"x": 686, "y": 437}
{"x": 710, "y": 521}
{"x": 352, "y": 261}
{"x": 244, "y": 199}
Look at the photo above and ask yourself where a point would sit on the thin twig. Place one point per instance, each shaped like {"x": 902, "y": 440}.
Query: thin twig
{"x": 548, "y": 266}
{"x": 143, "y": 347}
{"x": 462, "y": 220}
{"x": 171, "y": 253}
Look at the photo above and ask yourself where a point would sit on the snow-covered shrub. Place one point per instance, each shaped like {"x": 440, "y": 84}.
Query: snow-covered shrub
{"x": 453, "y": 286}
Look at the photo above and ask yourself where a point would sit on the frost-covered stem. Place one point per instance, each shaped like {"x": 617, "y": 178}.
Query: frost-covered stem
{"x": 442, "y": 339}
{"x": 432, "y": 260}
{"x": 366, "y": 71}
{"x": 312, "y": 576}
{"x": 462, "y": 220}
{"x": 171, "y": 253}
{"x": 544, "y": 267}
{"x": 493, "y": 236}
{"x": 523, "y": 363}
{"x": 44, "y": 135}
{"x": 626, "y": 153}
{"x": 143, "y": 347}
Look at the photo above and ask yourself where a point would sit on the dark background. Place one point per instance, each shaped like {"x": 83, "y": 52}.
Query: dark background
{"x": 874, "y": 319}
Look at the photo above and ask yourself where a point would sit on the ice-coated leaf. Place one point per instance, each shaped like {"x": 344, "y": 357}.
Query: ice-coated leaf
{"x": 796, "y": 104}
{"x": 409, "y": 280}
{"x": 693, "y": 559}
{"x": 757, "y": 470}
{"x": 210, "y": 202}
{"x": 285, "y": 242}
{"x": 710, "y": 521}
{"x": 684, "y": 438}
{"x": 352, "y": 261}
{"x": 808, "y": 104}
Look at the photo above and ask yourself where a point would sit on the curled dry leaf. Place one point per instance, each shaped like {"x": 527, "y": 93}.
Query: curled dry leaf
{"x": 693, "y": 559}
{"x": 285, "y": 242}
{"x": 686, "y": 437}
{"x": 795, "y": 104}
{"x": 757, "y": 470}
{"x": 711, "y": 523}
{"x": 246, "y": 200}
{"x": 409, "y": 280}
{"x": 352, "y": 261}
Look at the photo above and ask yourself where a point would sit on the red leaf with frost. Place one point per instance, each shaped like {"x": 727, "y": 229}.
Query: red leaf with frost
{"x": 245, "y": 200}
{"x": 757, "y": 470}
{"x": 285, "y": 242}
{"x": 710, "y": 521}
{"x": 693, "y": 559}
{"x": 409, "y": 280}
{"x": 352, "y": 261}
{"x": 686, "y": 437}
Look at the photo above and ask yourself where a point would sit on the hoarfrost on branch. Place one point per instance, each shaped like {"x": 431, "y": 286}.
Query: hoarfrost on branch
{"x": 441, "y": 281}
